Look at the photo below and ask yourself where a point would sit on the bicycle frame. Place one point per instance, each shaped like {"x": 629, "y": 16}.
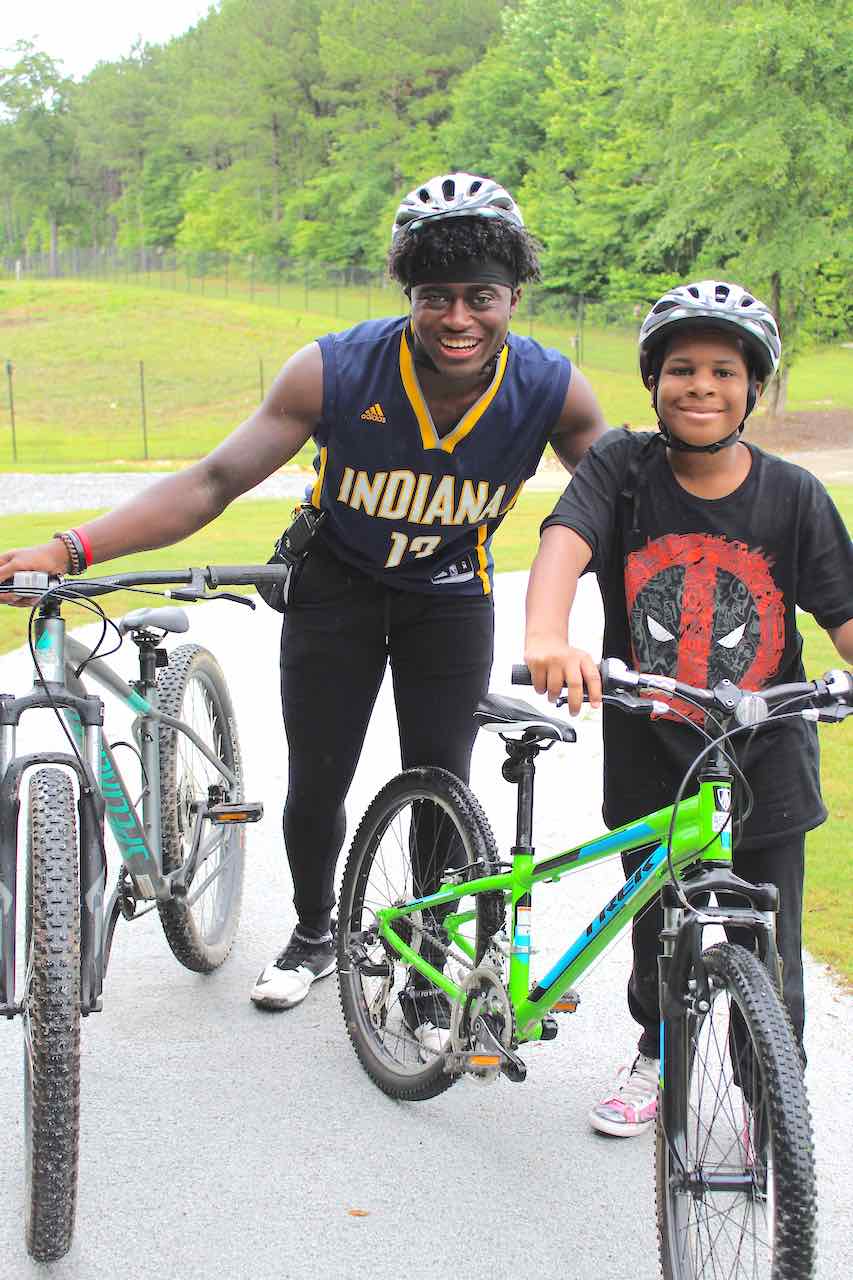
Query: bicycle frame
{"x": 701, "y": 838}
{"x": 102, "y": 791}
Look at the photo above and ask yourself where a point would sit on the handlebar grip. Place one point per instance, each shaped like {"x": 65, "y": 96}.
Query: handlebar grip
{"x": 244, "y": 575}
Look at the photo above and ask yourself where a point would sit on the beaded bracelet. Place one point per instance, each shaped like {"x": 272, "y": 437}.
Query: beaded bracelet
{"x": 76, "y": 555}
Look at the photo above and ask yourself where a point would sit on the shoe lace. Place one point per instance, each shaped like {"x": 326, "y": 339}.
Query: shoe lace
{"x": 638, "y": 1084}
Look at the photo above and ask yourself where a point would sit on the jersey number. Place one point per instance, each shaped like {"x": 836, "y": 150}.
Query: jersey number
{"x": 418, "y": 547}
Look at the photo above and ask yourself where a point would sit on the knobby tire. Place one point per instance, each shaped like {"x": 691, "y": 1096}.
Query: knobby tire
{"x": 51, "y": 1017}
{"x": 734, "y": 1109}
{"x": 422, "y": 822}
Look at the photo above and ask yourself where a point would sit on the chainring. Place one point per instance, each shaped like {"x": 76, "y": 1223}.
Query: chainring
{"x": 485, "y": 996}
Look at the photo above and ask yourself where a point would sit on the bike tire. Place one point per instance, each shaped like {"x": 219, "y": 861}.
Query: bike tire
{"x": 734, "y": 1111}
{"x": 200, "y": 928}
{"x": 51, "y": 1017}
{"x": 399, "y": 852}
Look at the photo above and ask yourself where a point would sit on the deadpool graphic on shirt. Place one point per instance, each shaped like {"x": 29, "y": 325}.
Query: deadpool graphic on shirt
{"x": 703, "y": 609}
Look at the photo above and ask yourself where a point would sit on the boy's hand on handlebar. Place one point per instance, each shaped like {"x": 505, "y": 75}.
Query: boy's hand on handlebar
{"x": 555, "y": 665}
{"x": 50, "y": 557}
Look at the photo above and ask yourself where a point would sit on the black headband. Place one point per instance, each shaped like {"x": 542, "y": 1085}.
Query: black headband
{"x": 464, "y": 271}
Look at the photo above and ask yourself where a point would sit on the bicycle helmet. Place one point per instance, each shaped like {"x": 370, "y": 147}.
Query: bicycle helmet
{"x": 724, "y": 306}
{"x": 715, "y": 305}
{"x": 454, "y": 195}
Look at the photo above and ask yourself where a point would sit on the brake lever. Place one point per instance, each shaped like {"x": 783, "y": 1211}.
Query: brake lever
{"x": 834, "y": 715}
{"x": 190, "y": 594}
{"x": 636, "y": 706}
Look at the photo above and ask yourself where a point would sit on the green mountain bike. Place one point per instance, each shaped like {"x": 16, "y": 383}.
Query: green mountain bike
{"x": 434, "y": 956}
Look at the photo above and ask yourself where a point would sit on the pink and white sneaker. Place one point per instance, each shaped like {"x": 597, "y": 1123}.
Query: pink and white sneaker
{"x": 631, "y": 1108}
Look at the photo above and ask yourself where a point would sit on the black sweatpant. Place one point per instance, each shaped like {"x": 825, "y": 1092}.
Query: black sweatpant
{"x": 779, "y": 862}
{"x": 340, "y": 630}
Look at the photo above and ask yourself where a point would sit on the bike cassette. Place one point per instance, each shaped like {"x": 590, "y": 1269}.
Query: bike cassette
{"x": 482, "y": 1030}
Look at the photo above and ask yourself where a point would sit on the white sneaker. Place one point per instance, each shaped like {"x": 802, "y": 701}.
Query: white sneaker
{"x": 632, "y": 1106}
{"x": 286, "y": 981}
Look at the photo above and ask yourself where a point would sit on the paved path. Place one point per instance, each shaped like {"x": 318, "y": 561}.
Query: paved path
{"x": 21, "y": 493}
{"x": 219, "y": 1141}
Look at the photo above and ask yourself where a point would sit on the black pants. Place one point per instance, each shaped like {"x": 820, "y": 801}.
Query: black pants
{"x": 781, "y": 863}
{"x": 339, "y": 632}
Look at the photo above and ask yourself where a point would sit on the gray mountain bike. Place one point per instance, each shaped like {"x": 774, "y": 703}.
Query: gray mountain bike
{"x": 181, "y": 842}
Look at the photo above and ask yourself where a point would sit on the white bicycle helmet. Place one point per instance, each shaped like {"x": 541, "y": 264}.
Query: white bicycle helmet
{"x": 455, "y": 195}
{"x": 723, "y": 306}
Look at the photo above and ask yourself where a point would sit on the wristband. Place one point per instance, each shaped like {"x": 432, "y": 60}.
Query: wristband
{"x": 85, "y": 547}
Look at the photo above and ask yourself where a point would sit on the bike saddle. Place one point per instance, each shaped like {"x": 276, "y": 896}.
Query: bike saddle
{"x": 503, "y": 715}
{"x": 167, "y": 618}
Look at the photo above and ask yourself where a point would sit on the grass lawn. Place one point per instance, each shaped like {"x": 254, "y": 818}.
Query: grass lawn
{"x": 244, "y": 534}
{"x": 76, "y": 347}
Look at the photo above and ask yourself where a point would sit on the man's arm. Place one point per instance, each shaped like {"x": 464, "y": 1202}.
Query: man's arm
{"x": 842, "y": 638}
{"x": 178, "y": 505}
{"x": 561, "y": 559}
{"x": 580, "y": 424}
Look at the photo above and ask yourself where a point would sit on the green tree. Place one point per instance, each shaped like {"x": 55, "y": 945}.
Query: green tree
{"x": 389, "y": 67}
{"x": 37, "y": 152}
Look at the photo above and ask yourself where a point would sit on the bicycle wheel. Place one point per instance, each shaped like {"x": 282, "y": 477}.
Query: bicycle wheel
{"x": 51, "y": 1017}
{"x": 735, "y": 1166}
{"x": 199, "y": 928}
{"x": 422, "y": 824}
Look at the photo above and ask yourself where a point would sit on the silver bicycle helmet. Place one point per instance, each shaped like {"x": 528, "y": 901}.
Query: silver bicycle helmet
{"x": 455, "y": 195}
{"x": 724, "y": 306}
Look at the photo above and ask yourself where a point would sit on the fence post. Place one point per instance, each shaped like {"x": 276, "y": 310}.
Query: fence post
{"x": 9, "y": 367}
{"x": 579, "y": 339}
{"x": 142, "y": 407}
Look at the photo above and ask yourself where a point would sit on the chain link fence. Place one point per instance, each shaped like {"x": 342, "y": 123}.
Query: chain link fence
{"x": 141, "y": 410}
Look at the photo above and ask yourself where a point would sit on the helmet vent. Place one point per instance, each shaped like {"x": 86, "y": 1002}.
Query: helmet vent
{"x": 474, "y": 187}
{"x": 666, "y": 305}
{"x": 424, "y": 195}
{"x": 691, "y": 289}
{"x": 721, "y": 292}
{"x": 448, "y": 188}
{"x": 747, "y": 301}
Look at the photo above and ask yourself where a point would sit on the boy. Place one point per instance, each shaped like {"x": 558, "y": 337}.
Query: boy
{"x": 704, "y": 547}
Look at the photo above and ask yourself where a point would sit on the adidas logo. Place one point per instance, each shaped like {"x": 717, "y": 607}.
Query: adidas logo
{"x": 374, "y": 413}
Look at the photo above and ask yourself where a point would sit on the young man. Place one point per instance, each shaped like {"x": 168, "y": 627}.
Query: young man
{"x": 704, "y": 547}
{"x": 426, "y": 427}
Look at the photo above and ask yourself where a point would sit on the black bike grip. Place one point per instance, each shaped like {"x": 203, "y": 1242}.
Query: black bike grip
{"x": 244, "y": 575}
{"x": 521, "y": 674}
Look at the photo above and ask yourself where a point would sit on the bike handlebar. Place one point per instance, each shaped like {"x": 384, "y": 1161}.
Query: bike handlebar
{"x": 199, "y": 581}
{"x": 746, "y": 705}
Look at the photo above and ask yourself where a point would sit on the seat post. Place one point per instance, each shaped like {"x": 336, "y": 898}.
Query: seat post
{"x": 519, "y": 769}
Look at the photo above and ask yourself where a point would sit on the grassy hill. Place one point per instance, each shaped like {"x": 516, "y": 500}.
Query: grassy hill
{"x": 76, "y": 347}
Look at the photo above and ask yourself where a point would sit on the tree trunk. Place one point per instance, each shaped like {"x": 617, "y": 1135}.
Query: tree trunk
{"x": 778, "y": 393}
{"x": 778, "y": 390}
{"x": 54, "y": 246}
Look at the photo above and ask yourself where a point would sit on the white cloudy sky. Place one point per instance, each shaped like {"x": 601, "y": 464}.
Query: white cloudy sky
{"x": 85, "y": 32}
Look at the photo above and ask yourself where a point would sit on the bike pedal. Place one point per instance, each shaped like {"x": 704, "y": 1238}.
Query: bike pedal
{"x": 242, "y": 811}
{"x": 567, "y": 1003}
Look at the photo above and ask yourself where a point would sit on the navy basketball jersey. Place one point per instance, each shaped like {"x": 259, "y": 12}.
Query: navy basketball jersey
{"x": 403, "y": 504}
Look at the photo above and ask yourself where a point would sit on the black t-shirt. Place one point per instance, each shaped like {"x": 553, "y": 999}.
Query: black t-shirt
{"x": 703, "y": 590}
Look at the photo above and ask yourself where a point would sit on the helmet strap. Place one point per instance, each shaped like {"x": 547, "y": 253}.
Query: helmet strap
{"x": 681, "y": 446}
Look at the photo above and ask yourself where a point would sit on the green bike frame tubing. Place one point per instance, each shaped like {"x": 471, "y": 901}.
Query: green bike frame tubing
{"x": 701, "y": 832}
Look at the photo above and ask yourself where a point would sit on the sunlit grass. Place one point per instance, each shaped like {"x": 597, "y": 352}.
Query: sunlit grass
{"x": 76, "y": 346}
